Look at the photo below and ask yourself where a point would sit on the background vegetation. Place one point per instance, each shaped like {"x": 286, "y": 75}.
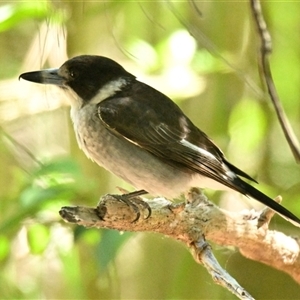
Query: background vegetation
{"x": 214, "y": 77}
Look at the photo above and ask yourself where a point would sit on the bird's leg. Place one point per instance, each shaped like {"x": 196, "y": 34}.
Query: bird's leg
{"x": 133, "y": 200}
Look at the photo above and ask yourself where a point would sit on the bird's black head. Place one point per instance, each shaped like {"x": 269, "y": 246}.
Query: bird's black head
{"x": 85, "y": 75}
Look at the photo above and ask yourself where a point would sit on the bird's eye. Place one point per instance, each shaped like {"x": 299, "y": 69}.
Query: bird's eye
{"x": 72, "y": 73}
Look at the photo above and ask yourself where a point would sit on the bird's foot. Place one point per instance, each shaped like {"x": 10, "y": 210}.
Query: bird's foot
{"x": 134, "y": 201}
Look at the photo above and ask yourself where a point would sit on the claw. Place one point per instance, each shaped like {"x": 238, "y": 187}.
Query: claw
{"x": 133, "y": 200}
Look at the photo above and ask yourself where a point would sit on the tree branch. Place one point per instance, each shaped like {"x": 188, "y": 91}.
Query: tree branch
{"x": 193, "y": 222}
{"x": 266, "y": 49}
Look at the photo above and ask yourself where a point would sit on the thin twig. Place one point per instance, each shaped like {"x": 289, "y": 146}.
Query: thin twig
{"x": 266, "y": 48}
{"x": 20, "y": 146}
{"x": 267, "y": 214}
{"x": 203, "y": 254}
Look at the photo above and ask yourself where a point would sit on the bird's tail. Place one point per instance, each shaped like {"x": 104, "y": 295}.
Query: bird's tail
{"x": 246, "y": 189}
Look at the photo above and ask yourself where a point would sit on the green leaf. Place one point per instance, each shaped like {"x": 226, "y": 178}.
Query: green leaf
{"x": 4, "y": 247}
{"x": 111, "y": 242}
{"x": 12, "y": 14}
{"x": 38, "y": 237}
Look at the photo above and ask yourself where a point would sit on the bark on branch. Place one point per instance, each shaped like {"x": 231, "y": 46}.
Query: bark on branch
{"x": 192, "y": 223}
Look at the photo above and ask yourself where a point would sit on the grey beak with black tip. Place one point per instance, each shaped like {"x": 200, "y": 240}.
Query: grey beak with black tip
{"x": 48, "y": 76}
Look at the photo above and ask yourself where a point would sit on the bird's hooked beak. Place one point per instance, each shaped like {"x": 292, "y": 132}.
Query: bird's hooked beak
{"x": 48, "y": 76}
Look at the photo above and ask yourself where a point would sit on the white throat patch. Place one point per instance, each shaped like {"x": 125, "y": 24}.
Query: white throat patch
{"x": 108, "y": 90}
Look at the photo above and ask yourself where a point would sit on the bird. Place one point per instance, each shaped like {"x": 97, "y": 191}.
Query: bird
{"x": 141, "y": 135}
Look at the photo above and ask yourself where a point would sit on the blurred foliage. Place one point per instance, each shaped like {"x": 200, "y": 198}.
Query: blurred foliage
{"x": 214, "y": 76}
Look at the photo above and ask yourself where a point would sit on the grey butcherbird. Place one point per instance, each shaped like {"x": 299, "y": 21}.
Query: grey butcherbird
{"x": 141, "y": 135}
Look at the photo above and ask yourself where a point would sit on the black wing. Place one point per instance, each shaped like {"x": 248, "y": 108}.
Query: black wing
{"x": 138, "y": 117}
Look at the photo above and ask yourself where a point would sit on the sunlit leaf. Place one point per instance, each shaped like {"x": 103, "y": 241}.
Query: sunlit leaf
{"x": 12, "y": 14}
{"x": 38, "y": 238}
{"x": 4, "y": 247}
